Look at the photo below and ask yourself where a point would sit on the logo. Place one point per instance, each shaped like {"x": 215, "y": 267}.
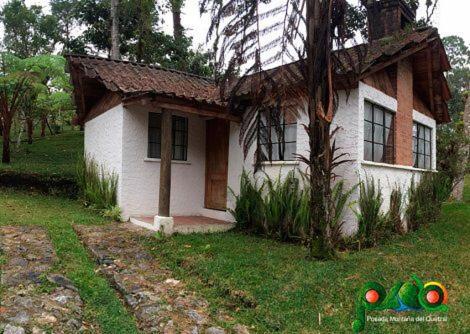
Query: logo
{"x": 412, "y": 295}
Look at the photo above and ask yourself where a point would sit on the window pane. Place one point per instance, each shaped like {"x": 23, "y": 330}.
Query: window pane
{"x": 368, "y": 111}
{"x": 275, "y": 152}
{"x": 378, "y": 115}
{"x": 428, "y": 134}
{"x": 378, "y": 134}
{"x": 415, "y": 130}
{"x": 421, "y": 131}
{"x": 378, "y": 152}
{"x": 154, "y": 150}
{"x": 427, "y": 147}
{"x": 368, "y": 131}
{"x": 415, "y": 145}
{"x": 388, "y": 119}
{"x": 414, "y": 159}
{"x": 264, "y": 153}
{"x": 367, "y": 151}
{"x": 289, "y": 151}
{"x": 427, "y": 161}
{"x": 420, "y": 161}
{"x": 290, "y": 134}
{"x": 421, "y": 146}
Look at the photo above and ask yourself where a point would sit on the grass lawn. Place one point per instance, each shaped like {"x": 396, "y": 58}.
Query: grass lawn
{"x": 51, "y": 155}
{"x": 57, "y": 215}
{"x": 273, "y": 288}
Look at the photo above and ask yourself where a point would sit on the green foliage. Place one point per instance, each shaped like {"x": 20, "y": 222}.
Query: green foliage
{"x": 28, "y": 31}
{"x": 425, "y": 199}
{"x": 98, "y": 188}
{"x": 369, "y": 216}
{"x": 280, "y": 208}
{"x": 394, "y": 214}
{"x": 51, "y": 156}
{"x": 248, "y": 211}
{"x": 340, "y": 201}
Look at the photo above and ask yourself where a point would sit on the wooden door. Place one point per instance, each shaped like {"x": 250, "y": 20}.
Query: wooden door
{"x": 217, "y": 137}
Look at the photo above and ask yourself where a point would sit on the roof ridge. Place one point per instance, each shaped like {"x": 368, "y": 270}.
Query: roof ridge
{"x": 158, "y": 67}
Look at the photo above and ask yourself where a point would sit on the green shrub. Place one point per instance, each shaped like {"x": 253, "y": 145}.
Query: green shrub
{"x": 280, "y": 205}
{"x": 394, "y": 221}
{"x": 98, "y": 188}
{"x": 425, "y": 199}
{"x": 339, "y": 202}
{"x": 248, "y": 212}
{"x": 370, "y": 219}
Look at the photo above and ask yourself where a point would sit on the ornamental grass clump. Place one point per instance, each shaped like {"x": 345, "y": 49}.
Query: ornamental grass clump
{"x": 425, "y": 199}
{"x": 370, "y": 219}
{"x": 249, "y": 206}
{"x": 98, "y": 188}
{"x": 281, "y": 201}
{"x": 394, "y": 215}
{"x": 280, "y": 207}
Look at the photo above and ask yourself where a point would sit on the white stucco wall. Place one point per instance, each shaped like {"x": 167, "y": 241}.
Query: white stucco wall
{"x": 118, "y": 139}
{"x": 103, "y": 142}
{"x": 142, "y": 175}
{"x": 349, "y": 139}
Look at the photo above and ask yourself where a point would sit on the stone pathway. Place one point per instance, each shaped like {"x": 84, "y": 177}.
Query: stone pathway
{"x": 160, "y": 303}
{"x": 34, "y": 300}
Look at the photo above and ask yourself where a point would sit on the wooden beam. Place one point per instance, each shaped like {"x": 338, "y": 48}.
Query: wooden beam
{"x": 430, "y": 85}
{"x": 395, "y": 59}
{"x": 165, "y": 165}
{"x": 181, "y": 105}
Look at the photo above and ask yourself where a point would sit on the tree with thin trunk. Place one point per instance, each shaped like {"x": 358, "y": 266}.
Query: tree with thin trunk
{"x": 14, "y": 86}
{"x": 251, "y": 37}
{"x": 114, "y": 53}
{"x": 178, "y": 30}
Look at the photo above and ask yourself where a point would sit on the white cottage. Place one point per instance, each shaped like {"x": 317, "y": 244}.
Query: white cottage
{"x": 175, "y": 147}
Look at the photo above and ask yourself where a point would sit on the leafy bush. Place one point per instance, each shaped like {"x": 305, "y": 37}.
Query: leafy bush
{"x": 98, "y": 188}
{"x": 249, "y": 205}
{"x": 280, "y": 207}
{"x": 340, "y": 199}
{"x": 395, "y": 211}
{"x": 426, "y": 198}
{"x": 370, "y": 219}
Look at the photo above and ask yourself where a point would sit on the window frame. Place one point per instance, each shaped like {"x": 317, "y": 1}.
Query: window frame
{"x": 281, "y": 149}
{"x": 174, "y": 131}
{"x": 374, "y": 124}
{"x": 416, "y": 142}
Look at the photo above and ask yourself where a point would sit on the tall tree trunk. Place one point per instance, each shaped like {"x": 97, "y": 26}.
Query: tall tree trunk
{"x": 6, "y": 142}
{"x": 114, "y": 54}
{"x": 43, "y": 126}
{"x": 178, "y": 29}
{"x": 29, "y": 129}
{"x": 318, "y": 97}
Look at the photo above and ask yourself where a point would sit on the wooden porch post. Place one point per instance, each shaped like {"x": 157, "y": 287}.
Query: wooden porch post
{"x": 165, "y": 165}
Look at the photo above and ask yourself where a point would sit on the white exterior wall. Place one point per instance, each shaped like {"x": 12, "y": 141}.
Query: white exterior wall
{"x": 103, "y": 142}
{"x": 142, "y": 175}
{"x": 349, "y": 139}
{"x": 118, "y": 139}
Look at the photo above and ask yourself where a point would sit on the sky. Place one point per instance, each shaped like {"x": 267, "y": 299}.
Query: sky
{"x": 451, "y": 18}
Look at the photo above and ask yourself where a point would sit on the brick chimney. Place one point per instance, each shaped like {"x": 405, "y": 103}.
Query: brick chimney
{"x": 386, "y": 17}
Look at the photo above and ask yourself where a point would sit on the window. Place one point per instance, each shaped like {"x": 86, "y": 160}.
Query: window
{"x": 422, "y": 146}
{"x": 283, "y": 141}
{"x": 179, "y": 137}
{"x": 378, "y": 134}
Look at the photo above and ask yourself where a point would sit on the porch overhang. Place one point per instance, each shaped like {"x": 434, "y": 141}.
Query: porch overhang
{"x": 157, "y": 101}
